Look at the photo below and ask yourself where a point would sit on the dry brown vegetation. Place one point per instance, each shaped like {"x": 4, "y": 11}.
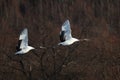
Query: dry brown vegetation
{"x": 98, "y": 59}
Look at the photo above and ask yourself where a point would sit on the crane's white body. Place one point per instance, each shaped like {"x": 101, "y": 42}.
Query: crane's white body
{"x": 23, "y": 47}
{"x": 65, "y": 35}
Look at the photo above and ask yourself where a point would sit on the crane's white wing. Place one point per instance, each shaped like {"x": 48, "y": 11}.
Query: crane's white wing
{"x": 24, "y": 38}
{"x": 23, "y": 34}
{"x": 67, "y": 30}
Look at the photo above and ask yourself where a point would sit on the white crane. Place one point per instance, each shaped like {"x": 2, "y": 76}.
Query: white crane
{"x": 65, "y": 35}
{"x": 22, "y": 46}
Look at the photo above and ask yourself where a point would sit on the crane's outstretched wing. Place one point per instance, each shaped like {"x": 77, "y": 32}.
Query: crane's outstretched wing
{"x": 24, "y": 38}
{"x": 65, "y": 34}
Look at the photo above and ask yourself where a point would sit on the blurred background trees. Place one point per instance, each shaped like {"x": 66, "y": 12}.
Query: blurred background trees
{"x": 97, "y": 20}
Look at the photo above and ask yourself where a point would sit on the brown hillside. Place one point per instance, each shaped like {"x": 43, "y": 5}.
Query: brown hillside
{"x": 98, "y": 59}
